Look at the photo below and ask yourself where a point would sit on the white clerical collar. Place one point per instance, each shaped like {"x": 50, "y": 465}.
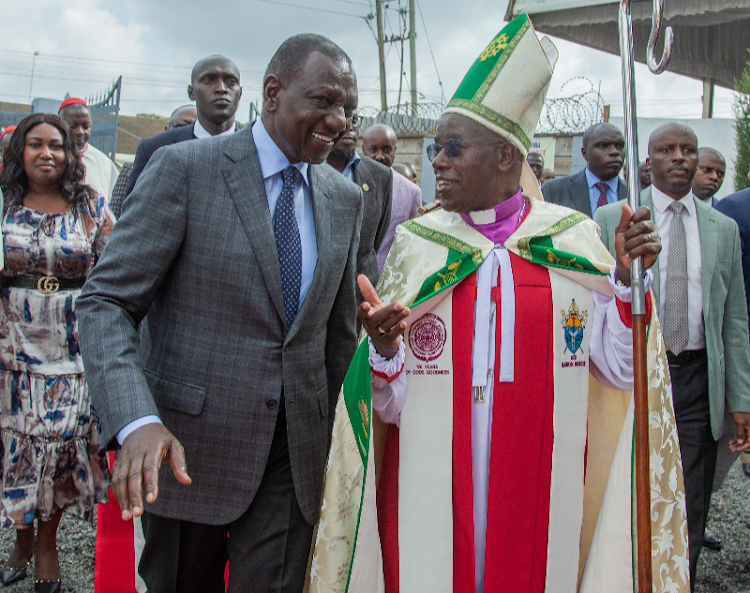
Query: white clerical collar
{"x": 662, "y": 200}
{"x": 484, "y": 216}
{"x": 200, "y": 132}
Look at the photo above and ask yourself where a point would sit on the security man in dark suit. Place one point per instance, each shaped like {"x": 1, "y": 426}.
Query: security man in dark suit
{"x": 376, "y": 182}
{"x": 182, "y": 116}
{"x": 599, "y": 183}
{"x": 215, "y": 88}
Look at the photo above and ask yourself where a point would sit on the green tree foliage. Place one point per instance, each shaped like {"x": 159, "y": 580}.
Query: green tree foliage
{"x": 742, "y": 126}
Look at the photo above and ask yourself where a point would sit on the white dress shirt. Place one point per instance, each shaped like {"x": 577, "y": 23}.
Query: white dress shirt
{"x": 272, "y": 163}
{"x": 200, "y": 132}
{"x": 101, "y": 172}
{"x": 663, "y": 217}
{"x": 610, "y": 354}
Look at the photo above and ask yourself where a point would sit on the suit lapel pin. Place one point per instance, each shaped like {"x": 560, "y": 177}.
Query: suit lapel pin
{"x": 365, "y": 187}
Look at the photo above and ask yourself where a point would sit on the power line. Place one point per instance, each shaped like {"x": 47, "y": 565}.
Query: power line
{"x": 59, "y": 56}
{"x": 128, "y": 81}
{"x": 22, "y": 67}
{"x": 310, "y": 8}
{"x": 440, "y": 82}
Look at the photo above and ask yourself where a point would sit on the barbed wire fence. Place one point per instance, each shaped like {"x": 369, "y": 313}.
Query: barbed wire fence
{"x": 400, "y": 119}
{"x": 573, "y": 114}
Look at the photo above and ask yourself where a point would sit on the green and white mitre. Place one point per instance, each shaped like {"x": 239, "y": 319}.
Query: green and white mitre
{"x": 504, "y": 89}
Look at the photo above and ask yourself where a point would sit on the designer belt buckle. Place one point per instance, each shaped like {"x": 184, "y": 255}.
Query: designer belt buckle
{"x": 48, "y": 285}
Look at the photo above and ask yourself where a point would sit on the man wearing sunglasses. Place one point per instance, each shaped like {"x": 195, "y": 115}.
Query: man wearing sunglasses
{"x": 499, "y": 336}
{"x": 376, "y": 182}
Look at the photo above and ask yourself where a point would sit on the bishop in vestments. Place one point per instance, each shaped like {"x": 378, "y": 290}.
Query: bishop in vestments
{"x": 483, "y": 438}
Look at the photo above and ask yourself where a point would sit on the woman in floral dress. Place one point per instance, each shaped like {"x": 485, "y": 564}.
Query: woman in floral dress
{"x": 54, "y": 228}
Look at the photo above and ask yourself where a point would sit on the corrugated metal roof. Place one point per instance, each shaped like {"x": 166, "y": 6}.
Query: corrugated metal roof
{"x": 711, "y": 37}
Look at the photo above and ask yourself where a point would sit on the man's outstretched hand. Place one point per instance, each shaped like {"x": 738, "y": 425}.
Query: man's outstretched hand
{"x": 142, "y": 454}
{"x": 742, "y": 441}
{"x": 635, "y": 236}
{"x": 383, "y": 323}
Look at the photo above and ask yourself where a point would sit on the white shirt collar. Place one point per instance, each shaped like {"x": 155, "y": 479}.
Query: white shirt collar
{"x": 200, "y": 132}
{"x": 662, "y": 200}
{"x": 272, "y": 160}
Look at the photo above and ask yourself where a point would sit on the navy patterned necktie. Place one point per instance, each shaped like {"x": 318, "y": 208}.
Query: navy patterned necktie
{"x": 288, "y": 244}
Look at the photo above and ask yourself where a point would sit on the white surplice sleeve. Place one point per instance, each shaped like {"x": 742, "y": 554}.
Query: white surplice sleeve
{"x": 388, "y": 384}
{"x": 611, "y": 346}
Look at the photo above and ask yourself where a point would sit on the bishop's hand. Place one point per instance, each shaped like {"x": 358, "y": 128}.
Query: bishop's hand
{"x": 635, "y": 236}
{"x": 383, "y": 323}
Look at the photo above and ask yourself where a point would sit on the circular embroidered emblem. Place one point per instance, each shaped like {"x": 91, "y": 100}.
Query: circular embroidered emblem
{"x": 427, "y": 337}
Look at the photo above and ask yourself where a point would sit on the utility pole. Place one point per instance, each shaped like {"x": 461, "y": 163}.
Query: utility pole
{"x": 381, "y": 56}
{"x": 413, "y": 56}
{"x": 31, "y": 84}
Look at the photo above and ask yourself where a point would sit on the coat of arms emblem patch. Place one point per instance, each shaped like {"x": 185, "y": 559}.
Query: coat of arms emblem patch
{"x": 574, "y": 324}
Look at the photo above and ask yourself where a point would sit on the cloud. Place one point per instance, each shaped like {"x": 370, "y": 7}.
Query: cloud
{"x": 171, "y": 35}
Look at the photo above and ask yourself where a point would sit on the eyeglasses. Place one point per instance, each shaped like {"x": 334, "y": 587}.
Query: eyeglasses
{"x": 356, "y": 120}
{"x": 453, "y": 149}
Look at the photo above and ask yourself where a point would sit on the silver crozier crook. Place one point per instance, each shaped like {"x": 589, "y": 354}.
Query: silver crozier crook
{"x": 640, "y": 358}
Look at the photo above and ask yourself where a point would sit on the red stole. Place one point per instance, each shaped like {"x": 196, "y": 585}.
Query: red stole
{"x": 521, "y": 450}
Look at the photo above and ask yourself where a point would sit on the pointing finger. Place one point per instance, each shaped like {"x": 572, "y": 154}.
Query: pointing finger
{"x": 367, "y": 290}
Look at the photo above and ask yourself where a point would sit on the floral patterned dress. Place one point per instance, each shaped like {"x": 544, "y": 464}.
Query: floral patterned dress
{"x": 51, "y": 459}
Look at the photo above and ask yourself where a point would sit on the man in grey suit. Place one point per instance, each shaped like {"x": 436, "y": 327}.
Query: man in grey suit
{"x": 700, "y": 296}
{"x": 376, "y": 181}
{"x": 599, "y": 183}
{"x": 242, "y": 250}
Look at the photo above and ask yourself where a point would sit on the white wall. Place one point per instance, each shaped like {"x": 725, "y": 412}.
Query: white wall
{"x": 716, "y": 133}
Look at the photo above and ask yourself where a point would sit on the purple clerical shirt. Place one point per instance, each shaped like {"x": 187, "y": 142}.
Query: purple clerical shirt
{"x": 500, "y": 222}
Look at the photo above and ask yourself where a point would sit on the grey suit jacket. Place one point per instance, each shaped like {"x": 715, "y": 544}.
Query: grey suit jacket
{"x": 376, "y": 181}
{"x": 195, "y": 250}
{"x": 573, "y": 191}
{"x": 724, "y": 305}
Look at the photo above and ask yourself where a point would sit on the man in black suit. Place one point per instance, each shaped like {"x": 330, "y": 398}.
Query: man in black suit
{"x": 182, "y": 116}
{"x": 598, "y": 184}
{"x": 709, "y": 176}
{"x": 215, "y": 88}
{"x": 376, "y": 181}
{"x": 536, "y": 162}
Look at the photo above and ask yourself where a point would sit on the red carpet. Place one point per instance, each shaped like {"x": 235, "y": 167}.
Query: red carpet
{"x": 115, "y": 555}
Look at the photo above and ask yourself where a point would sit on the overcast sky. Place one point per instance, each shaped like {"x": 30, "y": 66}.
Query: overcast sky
{"x": 84, "y": 45}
